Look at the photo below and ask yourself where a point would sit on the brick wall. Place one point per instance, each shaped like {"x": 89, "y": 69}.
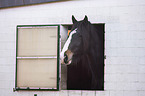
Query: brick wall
{"x": 124, "y": 42}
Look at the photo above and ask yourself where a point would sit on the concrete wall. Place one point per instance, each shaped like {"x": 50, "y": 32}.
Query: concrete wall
{"x": 124, "y": 42}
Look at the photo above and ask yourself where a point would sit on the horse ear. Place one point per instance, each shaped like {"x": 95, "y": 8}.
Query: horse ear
{"x": 86, "y": 18}
{"x": 73, "y": 19}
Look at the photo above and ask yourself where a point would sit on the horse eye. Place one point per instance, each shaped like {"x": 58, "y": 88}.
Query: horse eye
{"x": 79, "y": 34}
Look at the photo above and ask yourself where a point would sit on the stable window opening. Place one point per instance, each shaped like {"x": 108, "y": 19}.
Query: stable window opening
{"x": 68, "y": 74}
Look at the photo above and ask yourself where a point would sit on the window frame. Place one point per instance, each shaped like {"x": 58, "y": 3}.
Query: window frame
{"x": 58, "y": 61}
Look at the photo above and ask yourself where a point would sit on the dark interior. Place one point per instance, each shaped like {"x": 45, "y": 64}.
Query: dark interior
{"x": 71, "y": 73}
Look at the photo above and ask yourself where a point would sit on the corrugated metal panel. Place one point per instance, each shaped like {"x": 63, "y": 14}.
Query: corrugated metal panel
{"x": 37, "y": 1}
{"x": 12, "y": 3}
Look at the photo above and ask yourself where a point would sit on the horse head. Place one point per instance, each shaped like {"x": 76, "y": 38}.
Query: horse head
{"x": 77, "y": 42}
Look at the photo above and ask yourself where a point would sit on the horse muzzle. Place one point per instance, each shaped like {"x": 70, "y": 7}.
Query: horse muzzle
{"x": 66, "y": 58}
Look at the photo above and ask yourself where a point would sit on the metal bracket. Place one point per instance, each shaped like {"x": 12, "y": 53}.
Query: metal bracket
{"x": 14, "y": 89}
{"x": 104, "y": 56}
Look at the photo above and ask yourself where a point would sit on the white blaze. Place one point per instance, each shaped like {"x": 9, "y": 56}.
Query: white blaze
{"x": 66, "y": 45}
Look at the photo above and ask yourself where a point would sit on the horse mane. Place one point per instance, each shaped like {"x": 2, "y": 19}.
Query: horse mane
{"x": 91, "y": 52}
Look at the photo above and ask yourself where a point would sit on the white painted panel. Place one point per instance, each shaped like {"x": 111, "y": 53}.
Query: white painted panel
{"x": 37, "y": 73}
{"x": 37, "y": 41}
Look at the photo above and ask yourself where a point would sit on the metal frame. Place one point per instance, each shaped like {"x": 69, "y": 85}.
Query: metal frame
{"x": 58, "y": 61}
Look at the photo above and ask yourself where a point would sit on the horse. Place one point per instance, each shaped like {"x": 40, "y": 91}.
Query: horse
{"x": 82, "y": 53}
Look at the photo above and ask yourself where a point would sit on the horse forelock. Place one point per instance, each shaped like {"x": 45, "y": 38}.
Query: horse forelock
{"x": 84, "y": 29}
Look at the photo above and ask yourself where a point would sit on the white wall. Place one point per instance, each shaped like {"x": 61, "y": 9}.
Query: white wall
{"x": 124, "y": 42}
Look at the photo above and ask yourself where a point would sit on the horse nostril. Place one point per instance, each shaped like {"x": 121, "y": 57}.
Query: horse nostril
{"x": 65, "y": 59}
